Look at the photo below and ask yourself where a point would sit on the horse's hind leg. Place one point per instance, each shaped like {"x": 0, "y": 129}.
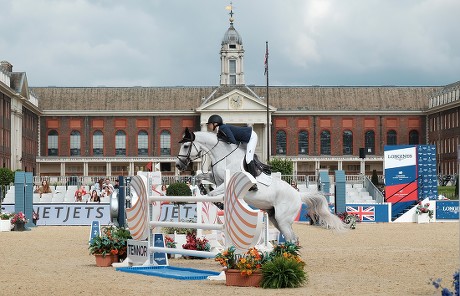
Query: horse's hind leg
{"x": 283, "y": 222}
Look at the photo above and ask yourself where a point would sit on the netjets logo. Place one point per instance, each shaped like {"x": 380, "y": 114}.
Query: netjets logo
{"x": 400, "y": 156}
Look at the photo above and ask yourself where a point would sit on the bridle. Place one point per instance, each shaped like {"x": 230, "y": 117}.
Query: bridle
{"x": 189, "y": 159}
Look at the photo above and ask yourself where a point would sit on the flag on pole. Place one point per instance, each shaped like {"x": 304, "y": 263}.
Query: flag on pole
{"x": 266, "y": 60}
{"x": 149, "y": 166}
{"x": 228, "y": 7}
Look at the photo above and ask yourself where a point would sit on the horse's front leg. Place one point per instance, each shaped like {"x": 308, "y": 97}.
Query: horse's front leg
{"x": 218, "y": 191}
{"x": 204, "y": 176}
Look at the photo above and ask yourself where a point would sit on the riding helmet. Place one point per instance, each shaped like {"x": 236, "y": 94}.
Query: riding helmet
{"x": 215, "y": 119}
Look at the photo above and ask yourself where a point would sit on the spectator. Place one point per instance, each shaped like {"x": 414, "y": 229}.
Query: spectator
{"x": 80, "y": 193}
{"x": 98, "y": 186}
{"x": 107, "y": 189}
{"x": 117, "y": 184}
{"x": 163, "y": 189}
{"x": 294, "y": 185}
{"x": 95, "y": 197}
{"x": 44, "y": 188}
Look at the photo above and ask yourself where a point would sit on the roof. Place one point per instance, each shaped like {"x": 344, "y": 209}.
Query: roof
{"x": 288, "y": 98}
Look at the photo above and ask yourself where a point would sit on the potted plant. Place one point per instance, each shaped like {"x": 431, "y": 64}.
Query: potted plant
{"x": 19, "y": 221}
{"x": 109, "y": 245}
{"x": 423, "y": 212}
{"x": 170, "y": 243}
{"x": 281, "y": 268}
{"x": 194, "y": 243}
{"x": 5, "y": 223}
{"x": 349, "y": 219}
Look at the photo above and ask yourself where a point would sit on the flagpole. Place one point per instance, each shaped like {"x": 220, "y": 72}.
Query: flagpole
{"x": 268, "y": 111}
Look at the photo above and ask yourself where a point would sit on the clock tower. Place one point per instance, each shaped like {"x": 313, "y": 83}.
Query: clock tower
{"x": 231, "y": 57}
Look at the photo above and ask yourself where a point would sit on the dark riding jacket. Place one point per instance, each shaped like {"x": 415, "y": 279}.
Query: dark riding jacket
{"x": 235, "y": 134}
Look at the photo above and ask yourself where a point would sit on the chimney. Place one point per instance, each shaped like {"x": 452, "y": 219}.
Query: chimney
{"x": 6, "y": 67}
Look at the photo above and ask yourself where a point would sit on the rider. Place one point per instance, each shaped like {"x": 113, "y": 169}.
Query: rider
{"x": 236, "y": 135}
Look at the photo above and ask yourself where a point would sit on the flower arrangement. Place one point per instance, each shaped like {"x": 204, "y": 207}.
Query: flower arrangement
{"x": 349, "y": 219}
{"x": 5, "y": 216}
{"x": 445, "y": 291}
{"x": 19, "y": 218}
{"x": 424, "y": 209}
{"x": 113, "y": 240}
{"x": 281, "y": 268}
{"x": 169, "y": 241}
{"x": 194, "y": 243}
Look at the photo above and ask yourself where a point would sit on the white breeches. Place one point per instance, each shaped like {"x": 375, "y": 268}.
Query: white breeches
{"x": 251, "y": 147}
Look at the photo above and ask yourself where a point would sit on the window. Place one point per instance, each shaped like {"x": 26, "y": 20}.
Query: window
{"x": 232, "y": 66}
{"x": 413, "y": 137}
{"x": 142, "y": 143}
{"x": 232, "y": 79}
{"x": 369, "y": 142}
{"x": 303, "y": 143}
{"x": 392, "y": 138}
{"x": 347, "y": 142}
{"x": 120, "y": 143}
{"x": 98, "y": 143}
{"x": 53, "y": 143}
{"x": 281, "y": 142}
{"x": 325, "y": 143}
{"x": 75, "y": 143}
{"x": 165, "y": 143}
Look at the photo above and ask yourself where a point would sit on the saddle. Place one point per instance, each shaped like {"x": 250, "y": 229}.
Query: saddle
{"x": 259, "y": 170}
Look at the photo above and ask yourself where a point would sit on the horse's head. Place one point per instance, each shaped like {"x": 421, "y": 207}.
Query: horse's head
{"x": 188, "y": 151}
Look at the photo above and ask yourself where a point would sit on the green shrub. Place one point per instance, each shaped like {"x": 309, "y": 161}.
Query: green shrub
{"x": 281, "y": 272}
{"x": 284, "y": 166}
{"x": 178, "y": 189}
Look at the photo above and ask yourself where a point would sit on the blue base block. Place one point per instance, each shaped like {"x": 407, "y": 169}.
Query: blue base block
{"x": 172, "y": 272}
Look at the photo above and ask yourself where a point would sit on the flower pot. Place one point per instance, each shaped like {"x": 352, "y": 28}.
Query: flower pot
{"x": 423, "y": 218}
{"x": 105, "y": 261}
{"x": 5, "y": 225}
{"x": 19, "y": 226}
{"x": 235, "y": 278}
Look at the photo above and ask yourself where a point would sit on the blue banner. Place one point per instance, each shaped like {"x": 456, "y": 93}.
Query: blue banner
{"x": 447, "y": 209}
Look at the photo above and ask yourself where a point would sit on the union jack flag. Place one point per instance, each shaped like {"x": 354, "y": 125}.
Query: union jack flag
{"x": 364, "y": 213}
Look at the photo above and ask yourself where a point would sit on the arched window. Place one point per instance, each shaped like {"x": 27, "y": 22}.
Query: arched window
{"x": 369, "y": 142}
{"x": 165, "y": 143}
{"x": 75, "y": 143}
{"x": 142, "y": 143}
{"x": 120, "y": 143}
{"x": 303, "y": 143}
{"x": 325, "y": 143}
{"x": 413, "y": 137}
{"x": 281, "y": 142}
{"x": 347, "y": 142}
{"x": 392, "y": 137}
{"x": 98, "y": 143}
{"x": 53, "y": 143}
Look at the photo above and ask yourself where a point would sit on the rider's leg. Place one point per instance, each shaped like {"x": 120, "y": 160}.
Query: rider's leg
{"x": 250, "y": 149}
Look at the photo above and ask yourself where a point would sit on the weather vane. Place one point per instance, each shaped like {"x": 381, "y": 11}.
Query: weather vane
{"x": 230, "y": 7}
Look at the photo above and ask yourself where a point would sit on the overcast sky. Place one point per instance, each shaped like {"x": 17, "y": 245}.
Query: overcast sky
{"x": 177, "y": 42}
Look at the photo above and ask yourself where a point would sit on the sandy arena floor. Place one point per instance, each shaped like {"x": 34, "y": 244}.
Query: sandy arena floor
{"x": 374, "y": 259}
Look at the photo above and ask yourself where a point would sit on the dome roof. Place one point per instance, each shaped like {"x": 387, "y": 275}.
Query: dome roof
{"x": 232, "y": 36}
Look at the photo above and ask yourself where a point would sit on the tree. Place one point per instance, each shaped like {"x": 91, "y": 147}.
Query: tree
{"x": 6, "y": 178}
{"x": 178, "y": 189}
{"x": 456, "y": 187}
{"x": 284, "y": 166}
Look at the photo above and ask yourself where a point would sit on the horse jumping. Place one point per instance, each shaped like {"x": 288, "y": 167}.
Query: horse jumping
{"x": 279, "y": 199}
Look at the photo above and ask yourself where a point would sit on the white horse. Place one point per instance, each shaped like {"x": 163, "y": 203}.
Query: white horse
{"x": 279, "y": 200}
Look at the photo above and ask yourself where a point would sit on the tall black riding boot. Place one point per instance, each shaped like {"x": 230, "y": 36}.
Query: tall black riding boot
{"x": 253, "y": 172}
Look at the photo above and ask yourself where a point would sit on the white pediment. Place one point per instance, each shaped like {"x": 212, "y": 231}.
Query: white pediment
{"x": 236, "y": 107}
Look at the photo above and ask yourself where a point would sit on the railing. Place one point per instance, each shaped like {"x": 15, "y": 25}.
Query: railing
{"x": 373, "y": 190}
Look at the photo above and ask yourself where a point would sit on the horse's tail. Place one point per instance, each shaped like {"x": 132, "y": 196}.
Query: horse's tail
{"x": 318, "y": 210}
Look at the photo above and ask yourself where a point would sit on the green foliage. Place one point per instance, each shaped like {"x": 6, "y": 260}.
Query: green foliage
{"x": 113, "y": 240}
{"x": 284, "y": 166}
{"x": 448, "y": 191}
{"x": 6, "y": 178}
{"x": 456, "y": 186}
{"x": 282, "y": 272}
{"x": 375, "y": 178}
{"x": 178, "y": 189}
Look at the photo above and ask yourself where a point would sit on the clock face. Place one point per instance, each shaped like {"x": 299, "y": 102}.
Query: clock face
{"x": 236, "y": 102}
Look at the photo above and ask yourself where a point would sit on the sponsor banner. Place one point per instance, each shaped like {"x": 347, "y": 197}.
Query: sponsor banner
{"x": 137, "y": 251}
{"x": 365, "y": 212}
{"x": 427, "y": 172}
{"x": 402, "y": 175}
{"x": 69, "y": 213}
{"x": 404, "y": 156}
{"x": 401, "y": 193}
{"x": 170, "y": 212}
{"x": 447, "y": 209}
